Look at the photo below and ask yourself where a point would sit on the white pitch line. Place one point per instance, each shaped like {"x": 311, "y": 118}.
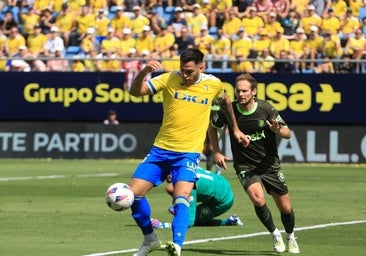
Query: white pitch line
{"x": 237, "y": 237}
{"x": 49, "y": 177}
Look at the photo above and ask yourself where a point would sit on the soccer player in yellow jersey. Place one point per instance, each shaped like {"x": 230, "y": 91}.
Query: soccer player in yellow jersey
{"x": 188, "y": 96}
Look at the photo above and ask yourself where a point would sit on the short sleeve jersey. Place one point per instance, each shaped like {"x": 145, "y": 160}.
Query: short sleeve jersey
{"x": 186, "y": 110}
{"x": 261, "y": 154}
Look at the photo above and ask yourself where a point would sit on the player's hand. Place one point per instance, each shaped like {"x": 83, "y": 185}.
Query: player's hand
{"x": 274, "y": 126}
{"x": 241, "y": 138}
{"x": 152, "y": 66}
{"x": 220, "y": 160}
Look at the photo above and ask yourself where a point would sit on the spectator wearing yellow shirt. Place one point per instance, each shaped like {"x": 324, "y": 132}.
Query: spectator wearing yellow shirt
{"x": 111, "y": 43}
{"x": 330, "y": 22}
{"x": 240, "y": 51}
{"x": 300, "y": 6}
{"x": 85, "y": 20}
{"x": 40, "y": 5}
{"x": 96, "y": 5}
{"x": 101, "y": 25}
{"x": 339, "y": 7}
{"x": 217, "y": 12}
{"x": 119, "y": 21}
{"x": 75, "y": 6}
{"x": 356, "y": 45}
{"x": 252, "y": 23}
{"x": 145, "y": 41}
{"x": 30, "y": 19}
{"x": 264, "y": 62}
{"x": 310, "y": 19}
{"x": 314, "y": 46}
{"x": 77, "y": 65}
{"x": 332, "y": 46}
{"x": 204, "y": 41}
{"x": 297, "y": 46}
{"x": 14, "y": 41}
{"x": 138, "y": 21}
{"x": 197, "y": 21}
{"x": 65, "y": 21}
{"x": 263, "y": 42}
{"x": 220, "y": 50}
{"x": 89, "y": 42}
{"x": 232, "y": 24}
{"x": 272, "y": 25}
{"x": 36, "y": 41}
{"x": 126, "y": 43}
{"x": 355, "y": 6}
{"x": 279, "y": 43}
{"x": 108, "y": 62}
{"x": 3, "y": 61}
{"x": 163, "y": 42}
{"x": 349, "y": 25}
{"x": 172, "y": 64}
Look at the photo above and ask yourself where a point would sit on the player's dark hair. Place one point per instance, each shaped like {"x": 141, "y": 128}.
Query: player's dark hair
{"x": 192, "y": 54}
{"x": 249, "y": 78}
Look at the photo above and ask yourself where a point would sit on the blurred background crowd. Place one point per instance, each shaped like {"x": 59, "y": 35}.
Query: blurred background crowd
{"x": 293, "y": 36}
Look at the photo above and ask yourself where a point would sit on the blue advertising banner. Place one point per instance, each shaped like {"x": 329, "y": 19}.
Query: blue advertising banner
{"x": 302, "y": 99}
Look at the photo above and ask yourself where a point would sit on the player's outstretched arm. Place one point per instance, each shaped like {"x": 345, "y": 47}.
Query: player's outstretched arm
{"x": 227, "y": 109}
{"x": 139, "y": 86}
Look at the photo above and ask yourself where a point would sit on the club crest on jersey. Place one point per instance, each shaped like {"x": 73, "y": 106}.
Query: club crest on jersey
{"x": 261, "y": 123}
{"x": 190, "y": 98}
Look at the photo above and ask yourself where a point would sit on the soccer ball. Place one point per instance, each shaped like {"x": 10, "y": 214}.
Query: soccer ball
{"x": 119, "y": 196}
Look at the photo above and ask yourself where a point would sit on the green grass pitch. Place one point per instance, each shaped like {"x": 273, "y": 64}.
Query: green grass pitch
{"x": 57, "y": 208}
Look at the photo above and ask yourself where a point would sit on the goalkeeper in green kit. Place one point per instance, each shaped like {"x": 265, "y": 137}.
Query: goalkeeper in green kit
{"x": 211, "y": 197}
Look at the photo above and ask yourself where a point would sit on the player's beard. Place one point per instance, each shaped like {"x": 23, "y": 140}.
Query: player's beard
{"x": 246, "y": 103}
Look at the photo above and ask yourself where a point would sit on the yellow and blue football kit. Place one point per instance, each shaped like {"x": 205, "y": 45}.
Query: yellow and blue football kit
{"x": 177, "y": 147}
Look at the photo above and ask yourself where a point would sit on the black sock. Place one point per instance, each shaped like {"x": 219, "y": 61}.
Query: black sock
{"x": 288, "y": 221}
{"x": 265, "y": 217}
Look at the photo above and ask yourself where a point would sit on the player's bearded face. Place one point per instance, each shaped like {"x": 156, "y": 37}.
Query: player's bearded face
{"x": 191, "y": 72}
{"x": 244, "y": 93}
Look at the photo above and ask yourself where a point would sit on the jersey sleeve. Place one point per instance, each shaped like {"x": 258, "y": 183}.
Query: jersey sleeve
{"x": 218, "y": 120}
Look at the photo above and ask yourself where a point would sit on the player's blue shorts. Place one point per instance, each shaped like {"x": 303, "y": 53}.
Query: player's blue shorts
{"x": 159, "y": 163}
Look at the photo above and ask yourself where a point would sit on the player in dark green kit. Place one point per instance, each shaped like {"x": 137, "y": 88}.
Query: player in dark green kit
{"x": 212, "y": 197}
{"x": 258, "y": 165}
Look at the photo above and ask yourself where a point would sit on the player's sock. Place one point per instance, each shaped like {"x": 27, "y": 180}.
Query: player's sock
{"x": 288, "y": 221}
{"x": 181, "y": 220}
{"x": 265, "y": 217}
{"x": 141, "y": 213}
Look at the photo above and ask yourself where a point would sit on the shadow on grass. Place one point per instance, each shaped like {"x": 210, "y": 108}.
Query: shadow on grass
{"x": 229, "y": 252}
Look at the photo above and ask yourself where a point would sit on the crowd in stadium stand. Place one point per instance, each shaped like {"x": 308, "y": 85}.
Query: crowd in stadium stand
{"x": 293, "y": 36}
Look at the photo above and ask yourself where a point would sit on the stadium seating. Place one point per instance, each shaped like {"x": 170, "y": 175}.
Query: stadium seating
{"x": 71, "y": 51}
{"x": 169, "y": 13}
{"x": 362, "y": 13}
